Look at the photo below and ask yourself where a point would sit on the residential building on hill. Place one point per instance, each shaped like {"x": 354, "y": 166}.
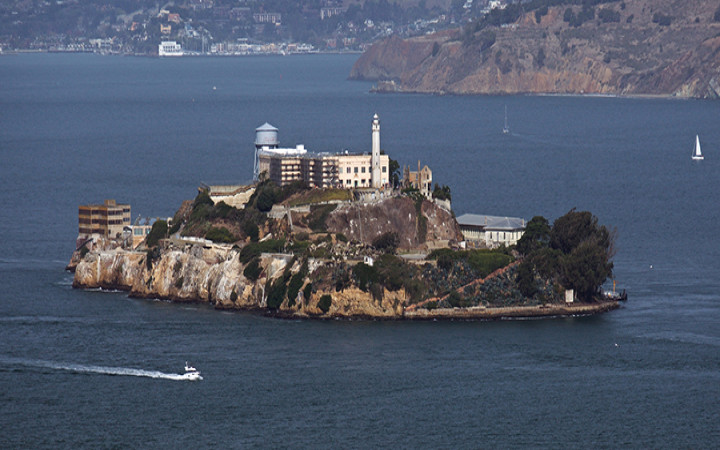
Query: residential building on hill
{"x": 491, "y": 231}
{"x": 106, "y": 220}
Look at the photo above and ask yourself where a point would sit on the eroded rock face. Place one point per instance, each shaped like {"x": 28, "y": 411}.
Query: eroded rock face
{"x": 215, "y": 276}
{"x": 634, "y": 56}
{"x": 365, "y": 222}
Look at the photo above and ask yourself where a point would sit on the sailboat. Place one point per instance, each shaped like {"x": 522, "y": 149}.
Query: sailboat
{"x": 506, "y": 128}
{"x": 697, "y": 153}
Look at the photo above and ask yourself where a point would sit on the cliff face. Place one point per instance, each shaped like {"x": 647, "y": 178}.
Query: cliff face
{"x": 635, "y": 55}
{"x": 215, "y": 276}
{"x": 364, "y": 222}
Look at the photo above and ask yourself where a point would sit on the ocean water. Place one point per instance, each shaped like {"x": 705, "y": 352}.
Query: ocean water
{"x": 97, "y": 369}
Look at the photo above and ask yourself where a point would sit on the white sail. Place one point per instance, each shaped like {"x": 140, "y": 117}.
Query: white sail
{"x": 506, "y": 128}
{"x": 697, "y": 153}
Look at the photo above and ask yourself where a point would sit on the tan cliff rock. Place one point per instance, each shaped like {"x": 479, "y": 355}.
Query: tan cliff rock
{"x": 195, "y": 274}
{"x": 364, "y": 222}
{"x": 634, "y": 56}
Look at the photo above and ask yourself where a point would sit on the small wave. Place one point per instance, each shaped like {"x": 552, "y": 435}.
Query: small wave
{"x": 688, "y": 338}
{"x": 104, "y": 370}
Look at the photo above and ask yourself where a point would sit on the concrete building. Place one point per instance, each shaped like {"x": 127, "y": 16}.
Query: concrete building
{"x": 491, "y": 231}
{"x": 420, "y": 180}
{"x": 342, "y": 169}
{"x": 107, "y": 220}
{"x": 170, "y": 48}
{"x": 236, "y": 195}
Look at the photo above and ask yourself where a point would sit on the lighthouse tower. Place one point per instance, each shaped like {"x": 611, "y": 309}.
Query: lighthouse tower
{"x": 375, "y": 158}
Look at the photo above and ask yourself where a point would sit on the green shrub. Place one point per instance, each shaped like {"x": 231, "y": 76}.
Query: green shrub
{"x": 325, "y": 303}
{"x": 254, "y": 249}
{"x": 294, "y": 286}
{"x": 318, "y": 215}
{"x": 485, "y": 262}
{"x": 341, "y": 237}
{"x": 387, "y": 242}
{"x": 253, "y": 269}
{"x": 456, "y": 300}
{"x": 300, "y": 247}
{"x": 158, "y": 231}
{"x": 221, "y": 234}
{"x": 276, "y": 294}
{"x": 179, "y": 282}
{"x": 251, "y": 230}
{"x": 307, "y": 292}
{"x": 365, "y": 276}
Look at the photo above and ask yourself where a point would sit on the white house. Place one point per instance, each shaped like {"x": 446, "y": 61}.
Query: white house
{"x": 491, "y": 231}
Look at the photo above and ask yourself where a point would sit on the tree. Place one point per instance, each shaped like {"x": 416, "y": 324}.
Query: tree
{"x": 585, "y": 269}
{"x": 536, "y": 235}
{"x": 394, "y": 168}
{"x": 571, "y": 229}
{"x": 442, "y": 192}
{"x": 158, "y": 231}
{"x": 586, "y": 250}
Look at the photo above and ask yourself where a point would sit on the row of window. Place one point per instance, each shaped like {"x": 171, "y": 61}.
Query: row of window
{"x": 362, "y": 169}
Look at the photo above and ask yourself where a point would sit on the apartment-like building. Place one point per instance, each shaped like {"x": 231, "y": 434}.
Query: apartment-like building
{"x": 341, "y": 169}
{"x": 107, "y": 220}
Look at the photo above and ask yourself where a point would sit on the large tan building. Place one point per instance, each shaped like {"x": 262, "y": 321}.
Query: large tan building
{"x": 107, "y": 220}
{"x": 342, "y": 169}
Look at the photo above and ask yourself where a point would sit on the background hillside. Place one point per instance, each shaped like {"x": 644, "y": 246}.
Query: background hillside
{"x": 631, "y": 47}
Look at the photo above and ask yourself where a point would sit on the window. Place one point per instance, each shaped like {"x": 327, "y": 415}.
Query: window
{"x": 363, "y": 169}
{"x": 384, "y": 169}
{"x": 348, "y": 181}
{"x": 348, "y": 170}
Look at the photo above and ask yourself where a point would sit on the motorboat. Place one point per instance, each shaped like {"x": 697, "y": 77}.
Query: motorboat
{"x": 191, "y": 373}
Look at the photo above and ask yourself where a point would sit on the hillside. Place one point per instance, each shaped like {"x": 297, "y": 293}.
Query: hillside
{"x": 635, "y": 47}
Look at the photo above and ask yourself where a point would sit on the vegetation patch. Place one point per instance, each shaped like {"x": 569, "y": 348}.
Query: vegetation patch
{"x": 255, "y": 249}
{"x": 318, "y": 215}
{"x": 320, "y": 196}
{"x": 325, "y": 303}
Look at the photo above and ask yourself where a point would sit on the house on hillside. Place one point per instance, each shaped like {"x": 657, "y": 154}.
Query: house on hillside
{"x": 491, "y": 231}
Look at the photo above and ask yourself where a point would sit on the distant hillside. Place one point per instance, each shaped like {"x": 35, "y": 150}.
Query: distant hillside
{"x": 634, "y": 47}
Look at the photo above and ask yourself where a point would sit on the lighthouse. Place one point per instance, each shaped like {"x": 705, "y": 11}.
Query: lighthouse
{"x": 375, "y": 155}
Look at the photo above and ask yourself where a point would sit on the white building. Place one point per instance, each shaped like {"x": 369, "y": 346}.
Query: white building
{"x": 170, "y": 48}
{"x": 342, "y": 169}
{"x": 491, "y": 231}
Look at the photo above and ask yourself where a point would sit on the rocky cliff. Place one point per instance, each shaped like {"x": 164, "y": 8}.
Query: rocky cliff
{"x": 418, "y": 224}
{"x": 634, "y": 47}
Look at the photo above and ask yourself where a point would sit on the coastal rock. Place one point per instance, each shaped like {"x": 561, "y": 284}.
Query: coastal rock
{"x": 365, "y": 222}
{"x": 634, "y": 55}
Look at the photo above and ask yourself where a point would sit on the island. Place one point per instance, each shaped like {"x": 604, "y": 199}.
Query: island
{"x": 321, "y": 235}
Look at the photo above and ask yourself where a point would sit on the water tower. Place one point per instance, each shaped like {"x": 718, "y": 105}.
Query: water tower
{"x": 266, "y": 137}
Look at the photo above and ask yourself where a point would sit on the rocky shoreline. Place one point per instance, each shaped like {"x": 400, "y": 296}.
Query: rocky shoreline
{"x": 169, "y": 280}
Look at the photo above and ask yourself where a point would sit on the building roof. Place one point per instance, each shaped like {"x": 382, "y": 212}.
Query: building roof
{"x": 266, "y": 127}
{"x": 492, "y": 222}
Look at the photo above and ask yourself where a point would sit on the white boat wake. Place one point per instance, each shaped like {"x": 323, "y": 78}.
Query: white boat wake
{"x": 120, "y": 371}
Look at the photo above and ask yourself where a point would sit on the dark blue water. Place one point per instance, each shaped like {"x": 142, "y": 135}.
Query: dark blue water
{"x": 95, "y": 369}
